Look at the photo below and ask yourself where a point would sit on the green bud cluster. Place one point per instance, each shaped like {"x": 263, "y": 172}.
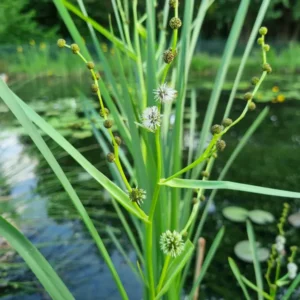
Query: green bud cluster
{"x": 252, "y": 106}
{"x": 205, "y": 174}
{"x": 90, "y": 65}
{"x": 216, "y": 129}
{"x": 175, "y": 23}
{"x": 108, "y": 124}
{"x": 248, "y": 96}
{"x": 254, "y": 80}
{"x": 173, "y": 3}
{"x": 94, "y": 88}
{"x": 61, "y": 43}
{"x": 110, "y": 157}
{"x": 263, "y": 30}
{"x": 75, "y": 48}
{"x": 168, "y": 56}
{"x": 226, "y": 122}
{"x": 105, "y": 112}
{"x": 117, "y": 140}
{"x": 267, "y": 68}
{"x": 283, "y": 218}
{"x": 220, "y": 145}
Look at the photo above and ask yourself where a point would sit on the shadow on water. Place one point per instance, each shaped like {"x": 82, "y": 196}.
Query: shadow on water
{"x": 43, "y": 211}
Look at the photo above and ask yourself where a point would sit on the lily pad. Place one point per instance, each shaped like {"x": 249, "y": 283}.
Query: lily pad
{"x": 235, "y": 213}
{"x": 294, "y": 219}
{"x": 261, "y": 216}
{"x": 243, "y": 251}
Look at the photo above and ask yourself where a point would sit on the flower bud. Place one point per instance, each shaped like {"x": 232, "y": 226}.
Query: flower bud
{"x": 260, "y": 41}
{"x": 117, "y": 140}
{"x": 102, "y": 112}
{"x": 94, "y": 88}
{"x": 168, "y": 56}
{"x": 173, "y": 3}
{"x": 75, "y": 49}
{"x": 216, "y": 129}
{"x": 97, "y": 75}
{"x": 252, "y": 106}
{"x": 202, "y": 198}
{"x": 205, "y": 174}
{"x": 90, "y": 65}
{"x": 267, "y": 67}
{"x": 255, "y": 80}
{"x": 220, "y": 145}
{"x": 248, "y": 96}
{"x": 175, "y": 23}
{"x": 263, "y": 30}
{"x": 227, "y": 122}
{"x": 110, "y": 157}
{"x": 61, "y": 43}
{"x": 266, "y": 47}
{"x": 108, "y": 123}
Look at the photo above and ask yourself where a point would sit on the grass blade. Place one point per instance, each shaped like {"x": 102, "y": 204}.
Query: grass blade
{"x": 237, "y": 274}
{"x": 210, "y": 255}
{"x": 11, "y": 101}
{"x": 36, "y": 261}
{"x": 295, "y": 284}
{"x": 229, "y": 185}
{"x": 257, "y": 269}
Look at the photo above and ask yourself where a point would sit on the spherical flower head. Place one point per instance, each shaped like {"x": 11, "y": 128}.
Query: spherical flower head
{"x": 61, "y": 43}
{"x": 165, "y": 94}
{"x": 280, "y": 239}
{"x": 168, "y": 56}
{"x": 279, "y": 247}
{"x": 220, "y": 145}
{"x": 175, "y": 23}
{"x": 151, "y": 118}
{"x": 75, "y": 48}
{"x": 263, "y": 30}
{"x": 292, "y": 270}
{"x": 137, "y": 195}
{"x": 171, "y": 243}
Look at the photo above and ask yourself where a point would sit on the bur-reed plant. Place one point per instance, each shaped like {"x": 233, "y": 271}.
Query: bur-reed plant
{"x": 161, "y": 192}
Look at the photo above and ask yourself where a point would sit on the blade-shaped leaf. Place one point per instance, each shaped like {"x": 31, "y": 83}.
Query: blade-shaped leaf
{"x": 257, "y": 269}
{"x": 228, "y": 185}
{"x": 237, "y": 274}
{"x": 36, "y": 261}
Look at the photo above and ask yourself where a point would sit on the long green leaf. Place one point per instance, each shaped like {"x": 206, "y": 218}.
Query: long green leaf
{"x": 237, "y": 274}
{"x": 228, "y": 185}
{"x": 295, "y": 284}
{"x": 36, "y": 261}
{"x": 12, "y": 102}
{"x": 98, "y": 27}
{"x": 210, "y": 255}
{"x": 114, "y": 190}
{"x": 257, "y": 269}
{"x": 176, "y": 266}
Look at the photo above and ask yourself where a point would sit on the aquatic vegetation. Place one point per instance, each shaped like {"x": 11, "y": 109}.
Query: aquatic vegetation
{"x": 159, "y": 190}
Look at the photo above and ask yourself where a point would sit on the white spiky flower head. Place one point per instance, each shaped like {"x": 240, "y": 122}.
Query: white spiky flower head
{"x": 171, "y": 243}
{"x": 280, "y": 239}
{"x": 164, "y": 93}
{"x": 292, "y": 270}
{"x": 151, "y": 118}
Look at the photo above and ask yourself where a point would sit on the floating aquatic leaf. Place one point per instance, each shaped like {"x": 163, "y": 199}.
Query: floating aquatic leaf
{"x": 243, "y": 251}
{"x": 235, "y": 213}
{"x": 294, "y": 219}
{"x": 261, "y": 216}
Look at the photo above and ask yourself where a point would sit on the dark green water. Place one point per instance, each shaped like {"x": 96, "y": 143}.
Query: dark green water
{"x": 271, "y": 158}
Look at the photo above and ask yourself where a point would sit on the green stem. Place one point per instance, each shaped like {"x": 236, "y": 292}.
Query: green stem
{"x": 149, "y": 228}
{"x": 163, "y": 273}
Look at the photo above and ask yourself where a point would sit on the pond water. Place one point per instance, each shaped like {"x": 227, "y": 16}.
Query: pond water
{"x": 43, "y": 211}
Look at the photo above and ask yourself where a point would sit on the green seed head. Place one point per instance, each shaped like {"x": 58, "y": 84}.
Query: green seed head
{"x": 267, "y": 68}
{"x": 263, "y": 30}
{"x": 90, "y": 65}
{"x": 205, "y": 174}
{"x": 137, "y": 195}
{"x": 252, "y": 106}
{"x": 75, "y": 49}
{"x": 255, "y": 80}
{"x": 168, "y": 56}
{"x": 195, "y": 200}
{"x": 97, "y": 75}
{"x": 266, "y": 47}
{"x": 216, "y": 129}
{"x": 61, "y": 43}
{"x": 227, "y": 122}
{"x": 221, "y": 145}
{"x": 102, "y": 112}
{"x": 108, "y": 123}
{"x": 117, "y": 140}
{"x": 202, "y": 198}
{"x": 94, "y": 88}
{"x": 248, "y": 96}
{"x": 175, "y": 23}
{"x": 110, "y": 157}
{"x": 260, "y": 41}
{"x": 173, "y": 3}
